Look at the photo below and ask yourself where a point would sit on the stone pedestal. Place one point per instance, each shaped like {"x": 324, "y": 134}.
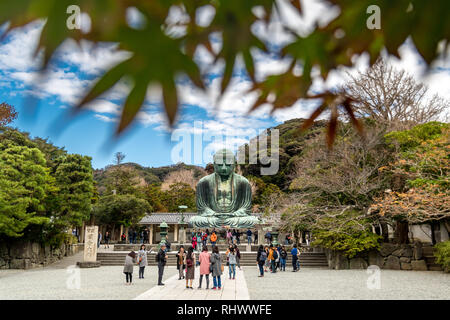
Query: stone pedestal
{"x": 90, "y": 248}
{"x": 88, "y": 264}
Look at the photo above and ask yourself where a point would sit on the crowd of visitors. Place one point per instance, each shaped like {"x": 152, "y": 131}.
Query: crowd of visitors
{"x": 269, "y": 258}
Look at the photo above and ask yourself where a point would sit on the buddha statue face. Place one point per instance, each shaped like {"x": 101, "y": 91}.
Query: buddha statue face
{"x": 224, "y": 163}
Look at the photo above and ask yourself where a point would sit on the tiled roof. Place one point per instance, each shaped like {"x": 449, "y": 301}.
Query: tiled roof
{"x": 170, "y": 217}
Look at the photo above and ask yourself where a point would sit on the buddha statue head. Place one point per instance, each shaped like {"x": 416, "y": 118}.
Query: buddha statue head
{"x": 224, "y": 163}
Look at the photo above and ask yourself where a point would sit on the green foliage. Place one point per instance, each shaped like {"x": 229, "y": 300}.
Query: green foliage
{"x": 410, "y": 139}
{"x": 74, "y": 179}
{"x": 43, "y": 190}
{"x": 442, "y": 254}
{"x": 22, "y": 188}
{"x": 179, "y": 194}
{"x": 349, "y": 244}
{"x": 119, "y": 209}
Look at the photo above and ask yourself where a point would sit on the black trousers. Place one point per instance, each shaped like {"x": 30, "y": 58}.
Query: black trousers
{"x": 207, "y": 281}
{"x": 141, "y": 272}
{"x": 294, "y": 262}
{"x": 129, "y": 276}
{"x": 160, "y": 272}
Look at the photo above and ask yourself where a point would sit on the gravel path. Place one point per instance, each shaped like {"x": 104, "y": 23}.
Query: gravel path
{"x": 95, "y": 283}
{"x": 321, "y": 284}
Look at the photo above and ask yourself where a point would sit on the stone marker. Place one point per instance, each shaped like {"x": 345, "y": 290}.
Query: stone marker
{"x": 90, "y": 248}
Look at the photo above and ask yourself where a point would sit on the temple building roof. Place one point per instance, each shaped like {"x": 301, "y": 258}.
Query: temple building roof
{"x": 170, "y": 217}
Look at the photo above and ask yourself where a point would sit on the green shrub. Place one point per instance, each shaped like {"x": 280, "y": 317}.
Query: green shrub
{"x": 442, "y": 254}
{"x": 349, "y": 244}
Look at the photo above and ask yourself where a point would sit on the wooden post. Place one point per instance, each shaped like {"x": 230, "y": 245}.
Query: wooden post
{"x": 150, "y": 237}
{"x": 175, "y": 233}
{"x": 121, "y": 232}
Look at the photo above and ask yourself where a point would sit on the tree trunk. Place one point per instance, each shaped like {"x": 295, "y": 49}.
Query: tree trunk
{"x": 401, "y": 232}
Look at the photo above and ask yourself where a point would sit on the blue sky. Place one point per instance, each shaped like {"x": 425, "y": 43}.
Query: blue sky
{"x": 75, "y": 68}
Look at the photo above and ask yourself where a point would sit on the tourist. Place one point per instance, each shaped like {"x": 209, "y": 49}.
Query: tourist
{"x": 142, "y": 260}
{"x": 190, "y": 267}
{"x": 234, "y": 236}
{"x": 294, "y": 253}
{"x": 199, "y": 241}
{"x": 194, "y": 241}
{"x": 161, "y": 258}
{"x": 255, "y": 237}
{"x": 167, "y": 243}
{"x": 249, "y": 236}
{"x": 238, "y": 237}
{"x": 145, "y": 235}
{"x": 134, "y": 236}
{"x": 130, "y": 236}
{"x": 228, "y": 236}
{"x": 268, "y": 236}
{"x": 107, "y": 239}
{"x": 267, "y": 262}
{"x": 307, "y": 239}
{"x": 279, "y": 256}
{"x": 217, "y": 268}
{"x": 123, "y": 237}
{"x": 99, "y": 239}
{"x": 238, "y": 256}
{"x": 205, "y": 263}
{"x": 128, "y": 267}
{"x": 181, "y": 256}
{"x": 141, "y": 236}
{"x": 232, "y": 262}
{"x": 273, "y": 257}
{"x": 261, "y": 258}
{"x": 283, "y": 257}
{"x": 287, "y": 239}
{"x": 204, "y": 238}
{"x": 213, "y": 238}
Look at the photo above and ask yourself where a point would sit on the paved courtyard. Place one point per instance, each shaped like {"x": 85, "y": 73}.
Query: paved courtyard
{"x": 328, "y": 284}
{"x": 59, "y": 281}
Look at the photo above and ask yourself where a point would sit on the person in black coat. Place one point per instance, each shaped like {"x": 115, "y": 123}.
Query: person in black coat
{"x": 161, "y": 258}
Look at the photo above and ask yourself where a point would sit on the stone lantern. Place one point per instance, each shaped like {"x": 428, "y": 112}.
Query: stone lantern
{"x": 163, "y": 232}
{"x": 274, "y": 237}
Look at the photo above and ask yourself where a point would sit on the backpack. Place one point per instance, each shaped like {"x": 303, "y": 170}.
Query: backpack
{"x": 263, "y": 256}
{"x": 189, "y": 263}
{"x": 275, "y": 255}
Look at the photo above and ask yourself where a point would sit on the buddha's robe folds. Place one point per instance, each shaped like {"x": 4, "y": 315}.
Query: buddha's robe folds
{"x": 237, "y": 214}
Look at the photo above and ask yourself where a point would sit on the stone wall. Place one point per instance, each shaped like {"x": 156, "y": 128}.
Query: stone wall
{"x": 26, "y": 255}
{"x": 390, "y": 256}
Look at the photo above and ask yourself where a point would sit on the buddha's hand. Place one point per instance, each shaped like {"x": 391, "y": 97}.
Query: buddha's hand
{"x": 208, "y": 213}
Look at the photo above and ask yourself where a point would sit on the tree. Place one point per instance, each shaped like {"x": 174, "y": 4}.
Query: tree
{"x": 7, "y": 114}
{"x": 115, "y": 210}
{"x": 75, "y": 182}
{"x": 23, "y": 185}
{"x": 179, "y": 194}
{"x": 121, "y": 178}
{"x": 323, "y": 49}
{"x": 180, "y": 176}
{"x": 347, "y": 175}
{"x": 393, "y": 98}
{"x": 422, "y": 160}
{"x": 118, "y": 157}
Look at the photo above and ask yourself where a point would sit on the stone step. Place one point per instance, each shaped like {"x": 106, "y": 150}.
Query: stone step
{"x": 247, "y": 259}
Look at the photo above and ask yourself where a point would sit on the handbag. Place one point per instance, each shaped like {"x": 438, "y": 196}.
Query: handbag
{"x": 189, "y": 263}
